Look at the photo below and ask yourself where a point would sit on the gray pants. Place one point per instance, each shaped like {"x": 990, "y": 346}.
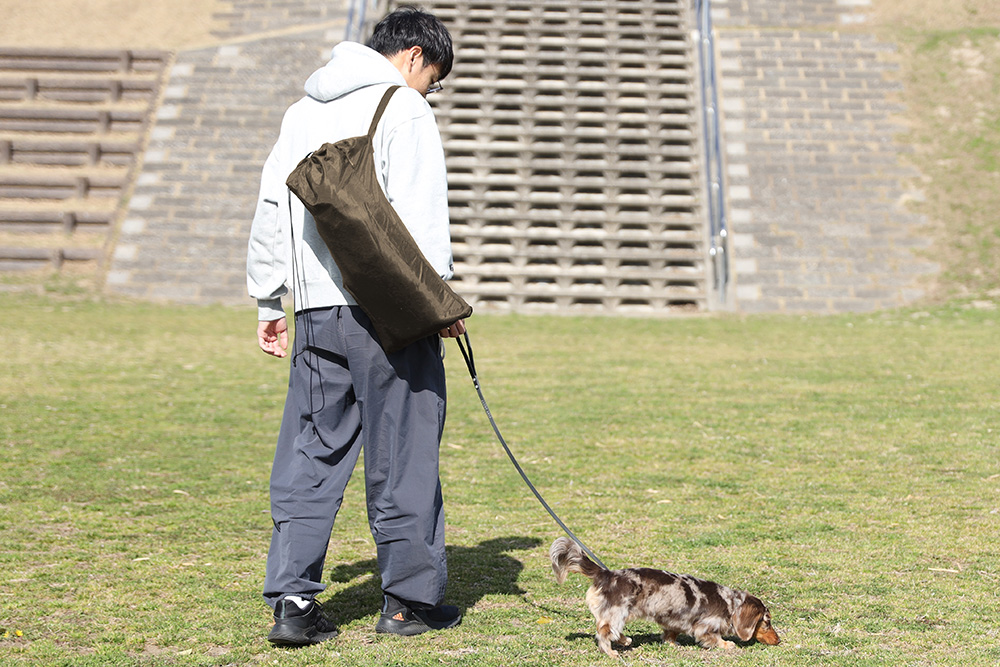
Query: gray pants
{"x": 344, "y": 393}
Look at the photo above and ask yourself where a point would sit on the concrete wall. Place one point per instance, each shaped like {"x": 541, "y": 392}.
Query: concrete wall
{"x": 816, "y": 175}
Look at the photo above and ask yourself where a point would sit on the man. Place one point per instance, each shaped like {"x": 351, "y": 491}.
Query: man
{"x": 344, "y": 392}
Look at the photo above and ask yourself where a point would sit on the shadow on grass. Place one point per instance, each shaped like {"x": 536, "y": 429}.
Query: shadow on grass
{"x": 637, "y": 640}
{"x": 473, "y": 572}
{"x": 655, "y": 639}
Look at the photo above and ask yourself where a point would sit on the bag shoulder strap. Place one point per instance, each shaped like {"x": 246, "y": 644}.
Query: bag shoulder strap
{"x": 381, "y": 109}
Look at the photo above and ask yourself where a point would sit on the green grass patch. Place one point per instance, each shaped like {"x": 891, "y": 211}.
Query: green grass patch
{"x": 845, "y": 469}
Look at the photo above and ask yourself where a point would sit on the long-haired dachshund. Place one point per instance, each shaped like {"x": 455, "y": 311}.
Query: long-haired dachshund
{"x": 679, "y": 603}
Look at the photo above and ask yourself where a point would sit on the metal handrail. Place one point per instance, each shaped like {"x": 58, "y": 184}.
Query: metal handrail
{"x": 359, "y": 16}
{"x": 715, "y": 192}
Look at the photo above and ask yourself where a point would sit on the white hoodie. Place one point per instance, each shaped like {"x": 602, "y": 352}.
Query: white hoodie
{"x": 342, "y": 97}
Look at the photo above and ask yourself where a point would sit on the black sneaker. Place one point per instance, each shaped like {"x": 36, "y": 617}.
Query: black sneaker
{"x": 399, "y": 619}
{"x": 299, "y": 627}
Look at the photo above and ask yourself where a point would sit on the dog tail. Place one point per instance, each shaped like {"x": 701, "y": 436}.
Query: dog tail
{"x": 567, "y": 556}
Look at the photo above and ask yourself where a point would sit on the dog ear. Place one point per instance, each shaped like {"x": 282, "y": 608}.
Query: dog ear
{"x": 748, "y": 617}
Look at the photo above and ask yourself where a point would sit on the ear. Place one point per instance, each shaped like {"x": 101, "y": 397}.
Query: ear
{"x": 415, "y": 57}
{"x": 748, "y": 617}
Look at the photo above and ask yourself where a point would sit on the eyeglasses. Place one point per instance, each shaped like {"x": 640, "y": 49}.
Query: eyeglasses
{"x": 435, "y": 87}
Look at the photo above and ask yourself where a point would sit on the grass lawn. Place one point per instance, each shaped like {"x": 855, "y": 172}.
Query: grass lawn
{"x": 845, "y": 469}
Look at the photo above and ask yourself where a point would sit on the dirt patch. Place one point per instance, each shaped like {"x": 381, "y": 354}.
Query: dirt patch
{"x": 160, "y": 24}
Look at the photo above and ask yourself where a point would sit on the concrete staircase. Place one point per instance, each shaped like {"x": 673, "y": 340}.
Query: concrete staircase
{"x": 571, "y": 134}
{"x": 72, "y": 123}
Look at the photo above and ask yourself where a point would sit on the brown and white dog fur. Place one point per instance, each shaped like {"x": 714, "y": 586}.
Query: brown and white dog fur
{"x": 679, "y": 603}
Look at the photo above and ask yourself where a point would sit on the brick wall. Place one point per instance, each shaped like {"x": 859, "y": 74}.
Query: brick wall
{"x": 817, "y": 173}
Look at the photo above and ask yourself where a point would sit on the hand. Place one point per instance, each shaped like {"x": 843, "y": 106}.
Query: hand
{"x": 273, "y": 337}
{"x": 454, "y": 331}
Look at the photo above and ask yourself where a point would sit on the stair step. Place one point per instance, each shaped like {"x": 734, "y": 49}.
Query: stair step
{"x": 585, "y": 226}
{"x": 583, "y": 277}
{"x": 557, "y": 261}
{"x": 56, "y": 186}
{"x": 77, "y": 90}
{"x": 48, "y": 221}
{"x": 89, "y": 121}
{"x": 30, "y": 259}
{"x": 69, "y": 152}
{"x": 664, "y": 176}
{"x": 28, "y": 59}
{"x": 519, "y": 296}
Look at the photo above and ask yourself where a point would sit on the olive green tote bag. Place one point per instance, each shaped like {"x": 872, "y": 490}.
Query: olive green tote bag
{"x": 381, "y": 264}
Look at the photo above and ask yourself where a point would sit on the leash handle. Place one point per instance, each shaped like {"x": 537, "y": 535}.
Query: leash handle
{"x": 471, "y": 364}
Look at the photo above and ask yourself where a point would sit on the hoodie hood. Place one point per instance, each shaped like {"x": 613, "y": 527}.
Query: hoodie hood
{"x": 351, "y": 66}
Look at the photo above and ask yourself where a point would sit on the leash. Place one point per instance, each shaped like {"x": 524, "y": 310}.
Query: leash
{"x": 470, "y": 362}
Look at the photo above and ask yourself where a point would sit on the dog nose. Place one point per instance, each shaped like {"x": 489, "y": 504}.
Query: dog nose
{"x": 768, "y": 636}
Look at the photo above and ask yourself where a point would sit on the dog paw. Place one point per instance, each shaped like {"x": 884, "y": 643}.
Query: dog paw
{"x": 625, "y": 641}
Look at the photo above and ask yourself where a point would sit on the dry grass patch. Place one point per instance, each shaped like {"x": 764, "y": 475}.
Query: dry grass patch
{"x": 949, "y": 55}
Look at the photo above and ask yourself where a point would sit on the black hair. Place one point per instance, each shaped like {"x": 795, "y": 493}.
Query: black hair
{"x": 409, "y": 26}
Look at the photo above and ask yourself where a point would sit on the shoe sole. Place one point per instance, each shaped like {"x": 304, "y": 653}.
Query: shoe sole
{"x": 295, "y": 637}
{"x": 391, "y": 626}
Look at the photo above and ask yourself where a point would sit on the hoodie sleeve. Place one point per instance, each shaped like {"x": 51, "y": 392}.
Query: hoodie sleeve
{"x": 416, "y": 181}
{"x": 267, "y": 252}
